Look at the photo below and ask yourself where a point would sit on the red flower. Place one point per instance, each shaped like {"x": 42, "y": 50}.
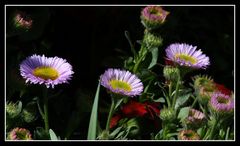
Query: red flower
{"x": 136, "y": 109}
{"x": 114, "y": 120}
{"x": 223, "y": 89}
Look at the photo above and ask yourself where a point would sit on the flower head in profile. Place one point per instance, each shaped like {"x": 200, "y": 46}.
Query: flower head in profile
{"x": 19, "y": 134}
{"x": 153, "y": 16}
{"x": 23, "y": 21}
{"x": 187, "y": 55}
{"x": 221, "y": 103}
{"x": 46, "y": 70}
{"x": 188, "y": 135}
{"x": 195, "y": 118}
{"x": 121, "y": 82}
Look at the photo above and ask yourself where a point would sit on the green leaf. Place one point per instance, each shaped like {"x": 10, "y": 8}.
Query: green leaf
{"x": 161, "y": 100}
{"x": 181, "y": 100}
{"x": 127, "y": 35}
{"x": 52, "y": 135}
{"x": 41, "y": 134}
{"x": 183, "y": 113}
{"x": 118, "y": 103}
{"x": 154, "y": 52}
{"x": 92, "y": 129}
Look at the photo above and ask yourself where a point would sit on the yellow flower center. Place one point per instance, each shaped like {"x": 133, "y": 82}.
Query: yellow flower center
{"x": 46, "y": 73}
{"x": 186, "y": 58}
{"x": 116, "y": 84}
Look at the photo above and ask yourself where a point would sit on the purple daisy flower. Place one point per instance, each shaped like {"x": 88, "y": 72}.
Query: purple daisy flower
{"x": 19, "y": 134}
{"x": 121, "y": 82}
{"x": 46, "y": 70}
{"x": 187, "y": 55}
{"x": 221, "y": 103}
{"x": 153, "y": 16}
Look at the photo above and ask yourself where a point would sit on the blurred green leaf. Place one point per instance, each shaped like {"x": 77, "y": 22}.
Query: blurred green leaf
{"x": 183, "y": 113}
{"x": 181, "y": 100}
{"x": 154, "y": 52}
{"x": 52, "y": 135}
{"x": 92, "y": 129}
{"x": 41, "y": 134}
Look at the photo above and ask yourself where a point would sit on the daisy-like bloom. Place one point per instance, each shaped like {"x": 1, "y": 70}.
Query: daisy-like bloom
{"x": 121, "y": 82}
{"x": 221, "y": 103}
{"x": 188, "y": 135}
{"x": 153, "y": 16}
{"x": 19, "y": 134}
{"x": 21, "y": 20}
{"x": 187, "y": 55}
{"x": 46, "y": 70}
{"x": 195, "y": 118}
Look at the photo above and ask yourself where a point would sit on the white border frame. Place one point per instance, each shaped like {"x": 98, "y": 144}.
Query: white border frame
{"x": 9, "y": 5}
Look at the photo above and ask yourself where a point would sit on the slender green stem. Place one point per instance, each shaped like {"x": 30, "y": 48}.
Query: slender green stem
{"x": 177, "y": 90}
{"x": 213, "y": 129}
{"x": 110, "y": 113}
{"x": 194, "y": 102}
{"x": 45, "y": 108}
{"x": 40, "y": 110}
{"x": 227, "y": 133}
{"x": 169, "y": 94}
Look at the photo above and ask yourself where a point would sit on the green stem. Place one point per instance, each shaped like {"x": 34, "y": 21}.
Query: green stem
{"x": 45, "y": 108}
{"x": 176, "y": 94}
{"x": 227, "y": 133}
{"x": 194, "y": 102}
{"x": 213, "y": 129}
{"x": 40, "y": 110}
{"x": 169, "y": 94}
{"x": 142, "y": 54}
{"x": 110, "y": 114}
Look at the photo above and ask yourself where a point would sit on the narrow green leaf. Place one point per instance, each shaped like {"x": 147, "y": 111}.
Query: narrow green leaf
{"x": 127, "y": 35}
{"x": 52, "y": 135}
{"x": 161, "y": 99}
{"x": 154, "y": 52}
{"x": 92, "y": 129}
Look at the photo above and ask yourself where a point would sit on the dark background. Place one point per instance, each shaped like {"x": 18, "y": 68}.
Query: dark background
{"x": 92, "y": 39}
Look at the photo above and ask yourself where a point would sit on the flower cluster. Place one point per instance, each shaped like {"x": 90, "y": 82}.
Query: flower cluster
{"x": 144, "y": 99}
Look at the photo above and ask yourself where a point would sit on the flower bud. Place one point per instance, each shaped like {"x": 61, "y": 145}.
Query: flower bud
{"x": 171, "y": 73}
{"x": 14, "y": 109}
{"x": 29, "y": 112}
{"x": 195, "y": 119}
{"x": 221, "y": 105}
{"x": 153, "y": 16}
{"x": 167, "y": 115}
{"x": 22, "y": 21}
{"x": 19, "y": 134}
{"x": 151, "y": 40}
{"x": 204, "y": 86}
{"x": 188, "y": 135}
